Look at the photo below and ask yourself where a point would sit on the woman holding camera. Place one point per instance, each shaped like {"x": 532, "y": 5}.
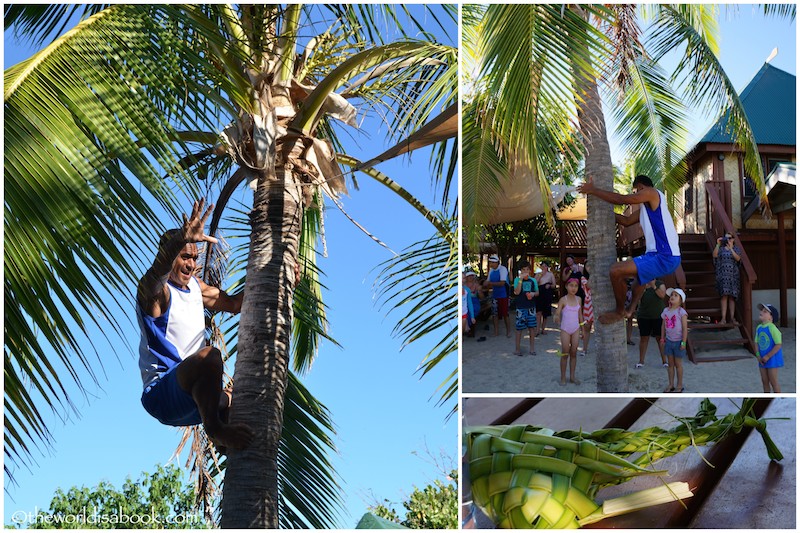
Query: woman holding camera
{"x": 726, "y": 262}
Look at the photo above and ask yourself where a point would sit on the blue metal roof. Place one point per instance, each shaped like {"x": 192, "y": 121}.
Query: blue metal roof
{"x": 770, "y": 101}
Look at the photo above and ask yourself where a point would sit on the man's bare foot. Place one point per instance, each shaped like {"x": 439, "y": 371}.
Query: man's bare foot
{"x": 610, "y": 317}
{"x": 563, "y": 382}
{"x": 234, "y": 436}
{"x": 575, "y": 381}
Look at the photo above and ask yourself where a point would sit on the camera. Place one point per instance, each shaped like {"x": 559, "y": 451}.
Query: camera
{"x": 724, "y": 241}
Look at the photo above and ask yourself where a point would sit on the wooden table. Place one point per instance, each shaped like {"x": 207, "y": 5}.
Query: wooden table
{"x": 744, "y": 490}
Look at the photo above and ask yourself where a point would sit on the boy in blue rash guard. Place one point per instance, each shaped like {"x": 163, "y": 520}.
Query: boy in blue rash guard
{"x": 662, "y": 256}
{"x": 770, "y": 351}
{"x": 182, "y": 377}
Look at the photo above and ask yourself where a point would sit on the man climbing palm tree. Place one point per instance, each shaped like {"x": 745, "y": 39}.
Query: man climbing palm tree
{"x": 662, "y": 254}
{"x": 183, "y": 377}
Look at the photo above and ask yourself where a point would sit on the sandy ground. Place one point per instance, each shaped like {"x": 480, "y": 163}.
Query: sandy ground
{"x": 489, "y": 366}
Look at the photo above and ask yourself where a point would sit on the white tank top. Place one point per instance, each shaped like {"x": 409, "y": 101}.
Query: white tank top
{"x": 660, "y": 235}
{"x": 175, "y": 335}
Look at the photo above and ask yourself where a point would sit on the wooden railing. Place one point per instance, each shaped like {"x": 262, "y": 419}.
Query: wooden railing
{"x": 718, "y": 223}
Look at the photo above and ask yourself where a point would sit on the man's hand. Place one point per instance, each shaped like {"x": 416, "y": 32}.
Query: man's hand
{"x": 193, "y": 225}
{"x": 587, "y": 187}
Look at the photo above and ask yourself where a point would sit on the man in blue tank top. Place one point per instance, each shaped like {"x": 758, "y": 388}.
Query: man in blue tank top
{"x": 662, "y": 254}
{"x": 182, "y": 376}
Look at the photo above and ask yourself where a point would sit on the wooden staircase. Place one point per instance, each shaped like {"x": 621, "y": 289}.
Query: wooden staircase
{"x": 703, "y": 306}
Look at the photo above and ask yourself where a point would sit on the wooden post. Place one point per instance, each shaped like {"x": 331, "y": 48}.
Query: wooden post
{"x": 783, "y": 264}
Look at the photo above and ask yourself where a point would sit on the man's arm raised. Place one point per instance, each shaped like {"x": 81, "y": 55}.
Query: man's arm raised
{"x": 151, "y": 292}
{"x": 152, "y": 295}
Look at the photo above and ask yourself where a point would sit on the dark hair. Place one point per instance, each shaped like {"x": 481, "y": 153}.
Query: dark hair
{"x": 524, "y": 264}
{"x": 167, "y": 236}
{"x": 644, "y": 180}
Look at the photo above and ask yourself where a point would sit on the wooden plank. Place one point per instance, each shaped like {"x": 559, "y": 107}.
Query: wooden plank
{"x": 756, "y": 493}
{"x": 559, "y": 414}
{"x": 491, "y": 411}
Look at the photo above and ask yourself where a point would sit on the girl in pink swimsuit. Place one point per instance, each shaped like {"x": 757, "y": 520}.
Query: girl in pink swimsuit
{"x": 570, "y": 317}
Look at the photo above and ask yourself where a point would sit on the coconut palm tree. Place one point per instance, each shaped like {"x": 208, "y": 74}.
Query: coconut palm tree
{"x": 545, "y": 65}
{"x": 160, "y": 98}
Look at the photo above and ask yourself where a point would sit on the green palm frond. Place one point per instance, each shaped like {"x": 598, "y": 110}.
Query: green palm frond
{"x": 420, "y": 284}
{"x": 40, "y": 22}
{"x": 482, "y": 166}
{"x": 310, "y": 325}
{"x": 707, "y": 84}
{"x": 781, "y": 10}
{"x": 311, "y": 496}
{"x": 373, "y": 20}
{"x": 652, "y": 121}
{"x": 520, "y": 108}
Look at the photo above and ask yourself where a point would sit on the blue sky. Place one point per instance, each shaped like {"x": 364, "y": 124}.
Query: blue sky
{"x": 383, "y": 412}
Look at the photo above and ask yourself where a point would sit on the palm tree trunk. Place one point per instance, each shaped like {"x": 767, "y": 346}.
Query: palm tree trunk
{"x": 250, "y": 495}
{"x": 609, "y": 341}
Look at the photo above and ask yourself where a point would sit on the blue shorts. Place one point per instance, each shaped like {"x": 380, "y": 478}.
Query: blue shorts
{"x": 168, "y": 403}
{"x": 776, "y": 361}
{"x": 526, "y": 319}
{"x": 653, "y": 265}
{"x": 673, "y": 348}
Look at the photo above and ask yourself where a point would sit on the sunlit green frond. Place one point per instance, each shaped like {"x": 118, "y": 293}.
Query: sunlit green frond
{"x": 374, "y": 20}
{"x": 652, "y": 120}
{"x": 482, "y": 165}
{"x": 310, "y": 324}
{"x": 420, "y": 285}
{"x": 40, "y": 22}
{"x": 310, "y": 493}
{"x": 528, "y": 58}
{"x": 704, "y": 78}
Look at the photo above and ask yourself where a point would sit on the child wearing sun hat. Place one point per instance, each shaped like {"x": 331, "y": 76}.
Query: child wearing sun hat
{"x": 674, "y": 331}
{"x": 770, "y": 351}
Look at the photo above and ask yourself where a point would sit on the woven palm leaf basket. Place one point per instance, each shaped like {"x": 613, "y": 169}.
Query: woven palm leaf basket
{"x": 526, "y": 477}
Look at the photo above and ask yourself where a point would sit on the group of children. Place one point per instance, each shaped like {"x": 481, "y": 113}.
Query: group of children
{"x": 569, "y": 316}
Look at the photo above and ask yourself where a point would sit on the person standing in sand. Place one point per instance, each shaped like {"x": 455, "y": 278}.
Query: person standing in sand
{"x": 770, "y": 350}
{"x": 663, "y": 255}
{"x": 649, "y": 319}
{"x": 525, "y": 291}
{"x": 544, "y": 302}
{"x": 674, "y": 332}
{"x": 498, "y": 279}
{"x": 569, "y": 316}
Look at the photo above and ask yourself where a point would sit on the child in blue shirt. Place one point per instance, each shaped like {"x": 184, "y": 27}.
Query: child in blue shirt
{"x": 525, "y": 289}
{"x": 770, "y": 352}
